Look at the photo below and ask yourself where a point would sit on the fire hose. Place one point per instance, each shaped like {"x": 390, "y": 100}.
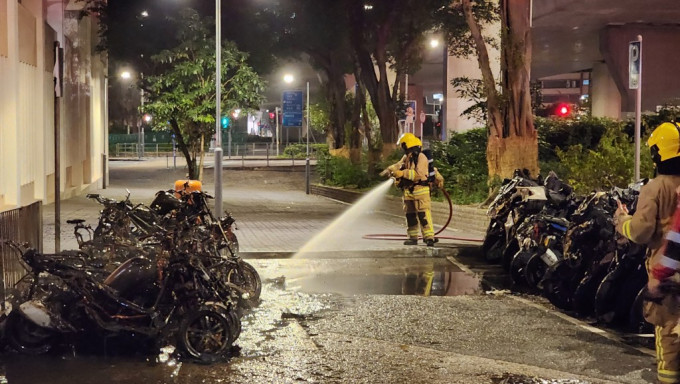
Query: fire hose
{"x": 394, "y": 236}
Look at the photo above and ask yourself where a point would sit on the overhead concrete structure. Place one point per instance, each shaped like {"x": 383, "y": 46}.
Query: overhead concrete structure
{"x": 593, "y": 35}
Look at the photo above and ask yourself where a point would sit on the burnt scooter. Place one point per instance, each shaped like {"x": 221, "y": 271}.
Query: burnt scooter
{"x": 170, "y": 297}
{"x": 121, "y": 223}
{"x": 502, "y": 219}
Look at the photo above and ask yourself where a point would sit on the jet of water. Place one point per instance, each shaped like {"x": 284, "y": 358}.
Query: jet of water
{"x": 330, "y": 238}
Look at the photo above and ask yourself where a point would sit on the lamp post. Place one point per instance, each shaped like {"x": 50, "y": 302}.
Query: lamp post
{"x": 127, "y": 75}
{"x": 218, "y": 102}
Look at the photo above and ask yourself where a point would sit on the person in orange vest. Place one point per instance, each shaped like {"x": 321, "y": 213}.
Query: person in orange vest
{"x": 655, "y": 209}
{"x": 411, "y": 174}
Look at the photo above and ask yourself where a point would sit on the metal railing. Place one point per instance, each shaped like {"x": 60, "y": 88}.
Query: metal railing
{"x": 20, "y": 225}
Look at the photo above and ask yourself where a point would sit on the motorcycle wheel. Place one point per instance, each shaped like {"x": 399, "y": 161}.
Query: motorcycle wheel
{"x": 627, "y": 293}
{"x": 494, "y": 242}
{"x": 518, "y": 265}
{"x": 557, "y": 285}
{"x": 605, "y": 298}
{"x": 636, "y": 321}
{"x": 247, "y": 278}
{"x": 25, "y": 336}
{"x": 584, "y": 296}
{"x": 208, "y": 333}
{"x": 508, "y": 253}
{"x": 535, "y": 270}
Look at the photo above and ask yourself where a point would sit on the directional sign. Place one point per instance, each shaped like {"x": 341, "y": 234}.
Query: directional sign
{"x": 634, "y": 63}
{"x": 292, "y": 108}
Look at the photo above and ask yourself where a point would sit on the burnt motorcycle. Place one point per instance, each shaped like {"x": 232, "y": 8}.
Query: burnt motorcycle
{"x": 166, "y": 295}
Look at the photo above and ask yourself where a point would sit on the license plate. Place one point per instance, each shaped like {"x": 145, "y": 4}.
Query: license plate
{"x": 549, "y": 257}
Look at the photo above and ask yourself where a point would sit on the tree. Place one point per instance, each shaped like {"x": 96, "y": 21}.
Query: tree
{"x": 388, "y": 34}
{"x": 317, "y": 30}
{"x": 182, "y": 91}
{"x": 512, "y": 141}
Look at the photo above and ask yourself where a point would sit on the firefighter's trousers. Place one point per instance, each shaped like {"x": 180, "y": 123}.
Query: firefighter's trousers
{"x": 417, "y": 207}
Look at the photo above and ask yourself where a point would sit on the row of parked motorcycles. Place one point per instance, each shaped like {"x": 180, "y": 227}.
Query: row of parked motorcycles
{"x": 565, "y": 247}
{"x": 168, "y": 273}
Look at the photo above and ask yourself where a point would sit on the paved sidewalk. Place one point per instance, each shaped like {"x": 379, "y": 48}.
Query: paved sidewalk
{"x": 273, "y": 214}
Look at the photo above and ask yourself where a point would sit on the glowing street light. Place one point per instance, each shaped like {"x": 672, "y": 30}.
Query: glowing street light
{"x": 125, "y": 75}
{"x": 147, "y": 118}
{"x": 288, "y": 78}
{"x": 434, "y": 43}
{"x": 236, "y": 112}
{"x": 144, "y": 13}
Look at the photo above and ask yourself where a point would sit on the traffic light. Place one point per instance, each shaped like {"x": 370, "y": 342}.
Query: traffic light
{"x": 225, "y": 122}
{"x": 563, "y": 110}
{"x": 271, "y": 115}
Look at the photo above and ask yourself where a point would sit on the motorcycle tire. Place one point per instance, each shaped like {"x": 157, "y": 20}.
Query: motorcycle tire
{"x": 627, "y": 294}
{"x": 494, "y": 242}
{"x": 26, "y": 337}
{"x": 518, "y": 265}
{"x": 247, "y": 278}
{"x": 535, "y": 271}
{"x": 584, "y": 297}
{"x": 209, "y": 333}
{"x": 557, "y": 285}
{"x": 508, "y": 253}
{"x": 636, "y": 322}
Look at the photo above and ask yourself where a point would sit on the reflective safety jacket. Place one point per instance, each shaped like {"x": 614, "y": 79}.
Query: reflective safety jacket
{"x": 655, "y": 208}
{"x": 415, "y": 176}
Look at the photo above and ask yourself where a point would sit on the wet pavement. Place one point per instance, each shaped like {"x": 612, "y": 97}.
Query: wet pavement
{"x": 368, "y": 311}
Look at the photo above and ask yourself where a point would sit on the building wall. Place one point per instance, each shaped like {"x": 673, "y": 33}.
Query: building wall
{"x": 28, "y": 31}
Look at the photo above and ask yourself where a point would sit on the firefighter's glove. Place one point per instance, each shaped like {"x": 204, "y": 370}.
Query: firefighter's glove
{"x": 438, "y": 179}
{"x": 398, "y": 173}
{"x": 386, "y": 173}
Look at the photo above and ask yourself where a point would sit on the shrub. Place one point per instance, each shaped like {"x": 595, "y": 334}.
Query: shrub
{"x": 339, "y": 171}
{"x": 462, "y": 163}
{"x": 609, "y": 164}
{"x": 299, "y": 151}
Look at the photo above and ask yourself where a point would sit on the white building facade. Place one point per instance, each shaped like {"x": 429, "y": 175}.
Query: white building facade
{"x": 28, "y": 32}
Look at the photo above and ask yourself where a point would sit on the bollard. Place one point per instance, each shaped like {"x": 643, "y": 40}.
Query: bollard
{"x": 243, "y": 160}
{"x": 267, "y": 155}
{"x": 292, "y": 158}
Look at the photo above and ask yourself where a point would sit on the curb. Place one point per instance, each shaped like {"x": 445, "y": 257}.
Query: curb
{"x": 466, "y": 218}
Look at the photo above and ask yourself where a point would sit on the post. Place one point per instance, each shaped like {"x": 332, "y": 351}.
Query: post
{"x": 229, "y": 141}
{"x": 267, "y": 154}
{"x": 307, "y": 160}
{"x": 59, "y": 63}
{"x": 141, "y": 137}
{"x": 638, "y": 111}
{"x": 442, "y": 103}
{"x": 218, "y": 112}
{"x": 174, "y": 153}
{"x": 278, "y": 143}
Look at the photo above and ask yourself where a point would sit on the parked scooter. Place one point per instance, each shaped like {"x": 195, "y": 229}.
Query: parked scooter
{"x": 165, "y": 295}
{"x": 504, "y": 217}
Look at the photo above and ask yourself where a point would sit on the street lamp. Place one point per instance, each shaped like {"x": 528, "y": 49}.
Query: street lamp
{"x": 288, "y": 78}
{"x": 434, "y": 43}
{"x": 127, "y": 75}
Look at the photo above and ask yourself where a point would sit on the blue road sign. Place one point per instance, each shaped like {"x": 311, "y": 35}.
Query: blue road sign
{"x": 292, "y": 108}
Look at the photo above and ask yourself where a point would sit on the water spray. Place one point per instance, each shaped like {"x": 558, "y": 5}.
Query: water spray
{"x": 395, "y": 236}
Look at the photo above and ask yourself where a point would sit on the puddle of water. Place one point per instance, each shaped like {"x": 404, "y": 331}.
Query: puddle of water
{"x": 328, "y": 239}
{"x": 509, "y": 378}
{"x": 394, "y": 276}
{"x": 435, "y": 282}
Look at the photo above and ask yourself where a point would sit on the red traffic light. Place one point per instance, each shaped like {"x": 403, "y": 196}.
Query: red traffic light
{"x": 563, "y": 110}
{"x": 271, "y": 115}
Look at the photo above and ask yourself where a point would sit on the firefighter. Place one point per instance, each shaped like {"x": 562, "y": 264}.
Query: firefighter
{"x": 655, "y": 207}
{"x": 411, "y": 174}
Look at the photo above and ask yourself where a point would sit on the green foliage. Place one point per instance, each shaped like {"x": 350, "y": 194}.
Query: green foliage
{"x": 339, "y": 171}
{"x": 462, "y": 163}
{"x": 182, "y": 92}
{"x": 471, "y": 90}
{"x": 299, "y": 151}
{"x": 563, "y": 133}
{"x": 609, "y": 164}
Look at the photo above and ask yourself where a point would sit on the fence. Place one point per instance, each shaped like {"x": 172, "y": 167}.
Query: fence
{"x": 164, "y": 149}
{"x": 21, "y": 225}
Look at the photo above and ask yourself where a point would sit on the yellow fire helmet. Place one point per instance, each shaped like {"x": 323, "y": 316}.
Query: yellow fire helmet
{"x": 408, "y": 141}
{"x": 665, "y": 142}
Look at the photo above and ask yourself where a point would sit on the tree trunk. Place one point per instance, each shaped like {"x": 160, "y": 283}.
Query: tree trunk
{"x": 191, "y": 163}
{"x": 512, "y": 142}
{"x": 200, "y": 165}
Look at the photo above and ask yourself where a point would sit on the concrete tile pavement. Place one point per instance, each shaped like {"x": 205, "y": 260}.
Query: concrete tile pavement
{"x": 273, "y": 214}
